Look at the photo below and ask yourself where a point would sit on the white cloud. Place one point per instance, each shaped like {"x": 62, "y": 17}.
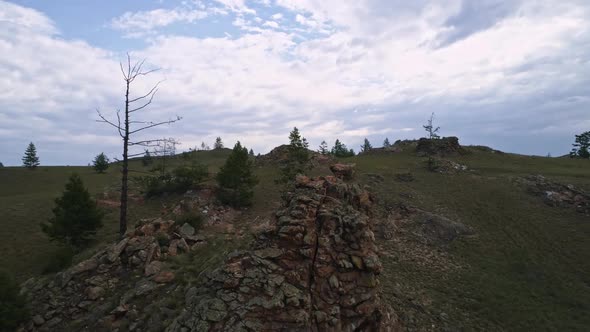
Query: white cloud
{"x": 148, "y": 20}
{"x": 271, "y": 24}
{"x": 370, "y": 68}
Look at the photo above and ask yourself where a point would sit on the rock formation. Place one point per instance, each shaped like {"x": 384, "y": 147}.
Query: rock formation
{"x": 445, "y": 146}
{"x": 557, "y": 194}
{"x": 315, "y": 271}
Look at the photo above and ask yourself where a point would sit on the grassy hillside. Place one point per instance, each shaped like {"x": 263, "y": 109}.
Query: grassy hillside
{"x": 527, "y": 266}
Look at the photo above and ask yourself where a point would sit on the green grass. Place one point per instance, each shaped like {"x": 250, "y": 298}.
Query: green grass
{"x": 527, "y": 268}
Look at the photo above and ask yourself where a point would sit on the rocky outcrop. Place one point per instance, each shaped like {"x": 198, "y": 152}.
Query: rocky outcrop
{"x": 101, "y": 293}
{"x": 280, "y": 155}
{"x": 445, "y": 146}
{"x": 557, "y": 194}
{"x": 343, "y": 171}
{"x": 315, "y": 270}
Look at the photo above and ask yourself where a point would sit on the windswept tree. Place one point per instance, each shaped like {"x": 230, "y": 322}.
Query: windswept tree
{"x": 386, "y": 143}
{"x": 100, "y": 163}
{"x": 366, "y": 147}
{"x": 581, "y": 147}
{"x": 30, "y": 159}
{"x": 218, "y": 144}
{"x": 430, "y": 129}
{"x": 323, "y": 148}
{"x": 127, "y": 126}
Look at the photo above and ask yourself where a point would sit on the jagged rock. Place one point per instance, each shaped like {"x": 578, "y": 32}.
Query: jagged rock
{"x": 445, "y": 146}
{"x": 557, "y": 194}
{"x": 84, "y": 266}
{"x": 187, "y": 230}
{"x": 343, "y": 171}
{"x": 153, "y": 268}
{"x": 299, "y": 276}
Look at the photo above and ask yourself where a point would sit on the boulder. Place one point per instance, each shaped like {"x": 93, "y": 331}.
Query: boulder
{"x": 343, "y": 171}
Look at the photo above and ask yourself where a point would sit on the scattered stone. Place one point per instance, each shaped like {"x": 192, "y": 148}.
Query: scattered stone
{"x": 153, "y": 268}
{"x": 164, "y": 277}
{"x": 38, "y": 320}
{"x": 187, "y": 230}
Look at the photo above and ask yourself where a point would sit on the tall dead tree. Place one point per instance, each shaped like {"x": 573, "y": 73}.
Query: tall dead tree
{"x": 125, "y": 127}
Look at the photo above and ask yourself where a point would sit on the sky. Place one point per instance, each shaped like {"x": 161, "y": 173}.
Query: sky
{"x": 513, "y": 75}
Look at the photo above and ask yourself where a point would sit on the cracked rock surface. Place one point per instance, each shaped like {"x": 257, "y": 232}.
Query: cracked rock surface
{"x": 316, "y": 270}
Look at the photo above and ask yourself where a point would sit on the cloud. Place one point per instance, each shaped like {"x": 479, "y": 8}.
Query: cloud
{"x": 139, "y": 23}
{"x": 494, "y": 72}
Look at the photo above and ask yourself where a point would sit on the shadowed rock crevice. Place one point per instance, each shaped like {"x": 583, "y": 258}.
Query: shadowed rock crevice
{"x": 316, "y": 270}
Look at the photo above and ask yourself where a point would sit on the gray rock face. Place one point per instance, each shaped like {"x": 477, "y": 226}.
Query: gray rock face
{"x": 316, "y": 272}
{"x": 187, "y": 230}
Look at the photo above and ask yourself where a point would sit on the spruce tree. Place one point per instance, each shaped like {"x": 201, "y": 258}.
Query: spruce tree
{"x": 251, "y": 153}
{"x": 13, "y": 304}
{"x": 366, "y": 147}
{"x": 323, "y": 148}
{"x": 100, "y": 163}
{"x": 76, "y": 217}
{"x": 386, "y": 143}
{"x": 30, "y": 159}
{"x": 340, "y": 150}
{"x": 147, "y": 159}
{"x": 218, "y": 144}
{"x": 236, "y": 178}
{"x": 581, "y": 146}
{"x": 297, "y": 157}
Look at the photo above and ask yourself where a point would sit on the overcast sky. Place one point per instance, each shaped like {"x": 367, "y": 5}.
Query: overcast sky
{"x": 510, "y": 74}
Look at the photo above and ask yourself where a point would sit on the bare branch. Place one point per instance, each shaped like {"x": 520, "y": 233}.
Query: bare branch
{"x": 155, "y": 125}
{"x": 152, "y": 91}
{"x": 146, "y": 104}
{"x": 107, "y": 121}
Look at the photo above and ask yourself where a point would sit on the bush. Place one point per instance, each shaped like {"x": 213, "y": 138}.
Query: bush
{"x": 61, "y": 260}
{"x": 13, "y": 305}
{"x": 76, "y": 217}
{"x": 179, "y": 180}
{"x": 236, "y": 178}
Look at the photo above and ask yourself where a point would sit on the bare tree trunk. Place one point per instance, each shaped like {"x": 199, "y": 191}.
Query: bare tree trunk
{"x": 125, "y": 171}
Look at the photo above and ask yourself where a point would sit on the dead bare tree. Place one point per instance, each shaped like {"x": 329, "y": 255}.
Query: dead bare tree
{"x": 125, "y": 130}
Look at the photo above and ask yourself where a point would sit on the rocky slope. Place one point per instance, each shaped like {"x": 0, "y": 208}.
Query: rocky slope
{"x": 315, "y": 269}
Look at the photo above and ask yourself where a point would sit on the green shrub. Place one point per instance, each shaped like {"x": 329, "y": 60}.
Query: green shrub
{"x": 13, "y": 305}
{"x": 179, "y": 180}
{"x": 61, "y": 260}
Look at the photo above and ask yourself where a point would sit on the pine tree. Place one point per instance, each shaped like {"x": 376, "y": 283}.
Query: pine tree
{"x": 30, "y": 159}
{"x": 204, "y": 146}
{"x": 101, "y": 163}
{"x": 297, "y": 157}
{"x": 236, "y": 178}
{"x": 218, "y": 144}
{"x": 581, "y": 146}
{"x": 76, "y": 217}
{"x": 386, "y": 143}
{"x": 340, "y": 150}
{"x": 323, "y": 148}
{"x": 251, "y": 153}
{"x": 147, "y": 159}
{"x": 366, "y": 147}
